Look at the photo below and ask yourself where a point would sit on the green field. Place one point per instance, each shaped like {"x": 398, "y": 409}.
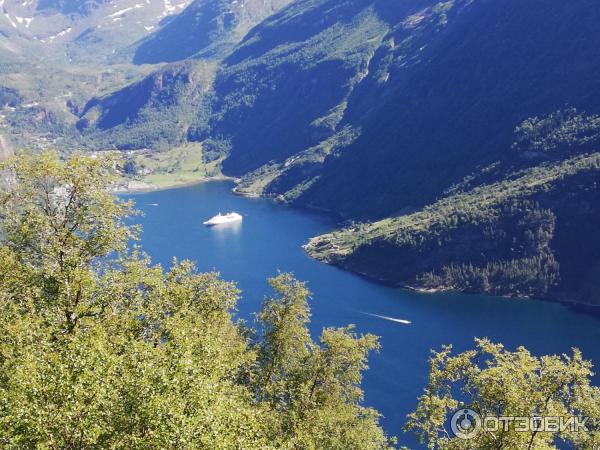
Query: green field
{"x": 178, "y": 166}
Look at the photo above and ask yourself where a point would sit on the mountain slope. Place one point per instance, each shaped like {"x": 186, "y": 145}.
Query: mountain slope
{"x": 206, "y": 28}
{"x": 330, "y": 55}
{"x": 493, "y": 65}
{"x": 154, "y": 112}
{"x": 524, "y": 226}
{"x": 443, "y": 94}
{"x": 80, "y": 31}
{"x": 529, "y": 234}
{"x": 284, "y": 88}
{"x": 159, "y": 110}
{"x": 57, "y": 54}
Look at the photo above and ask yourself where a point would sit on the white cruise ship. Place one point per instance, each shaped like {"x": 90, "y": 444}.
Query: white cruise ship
{"x": 221, "y": 219}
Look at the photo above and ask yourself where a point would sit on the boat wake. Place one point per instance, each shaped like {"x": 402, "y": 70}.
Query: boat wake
{"x": 391, "y": 319}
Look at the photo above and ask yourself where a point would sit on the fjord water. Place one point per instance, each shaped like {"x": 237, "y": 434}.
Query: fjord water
{"x": 270, "y": 239}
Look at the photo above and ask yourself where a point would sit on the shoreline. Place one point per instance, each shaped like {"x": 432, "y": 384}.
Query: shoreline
{"x": 593, "y": 310}
{"x": 336, "y": 217}
{"x": 584, "y": 308}
{"x": 150, "y": 187}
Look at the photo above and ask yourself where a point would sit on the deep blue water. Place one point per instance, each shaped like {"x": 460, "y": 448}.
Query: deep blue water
{"x": 270, "y": 239}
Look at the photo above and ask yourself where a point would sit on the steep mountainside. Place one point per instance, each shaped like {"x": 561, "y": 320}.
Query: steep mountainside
{"x": 40, "y": 103}
{"x": 154, "y": 112}
{"x": 206, "y": 28}
{"x": 532, "y": 233}
{"x": 285, "y": 87}
{"x": 160, "y": 110}
{"x": 441, "y": 96}
{"x": 523, "y": 226}
{"x": 55, "y": 55}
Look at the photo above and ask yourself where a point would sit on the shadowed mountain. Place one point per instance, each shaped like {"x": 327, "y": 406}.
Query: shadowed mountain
{"x": 441, "y": 91}
{"x": 206, "y": 28}
{"x": 285, "y": 88}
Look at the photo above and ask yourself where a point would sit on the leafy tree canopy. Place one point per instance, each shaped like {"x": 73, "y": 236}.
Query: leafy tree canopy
{"x": 494, "y": 382}
{"x": 101, "y": 349}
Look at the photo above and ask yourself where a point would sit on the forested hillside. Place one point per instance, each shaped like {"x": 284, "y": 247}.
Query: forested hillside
{"x": 441, "y": 96}
{"x": 155, "y": 112}
{"x": 349, "y": 106}
{"x": 372, "y": 109}
{"x": 283, "y": 90}
{"x": 522, "y": 226}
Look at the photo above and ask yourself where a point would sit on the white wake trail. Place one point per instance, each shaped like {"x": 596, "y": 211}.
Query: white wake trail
{"x": 391, "y": 319}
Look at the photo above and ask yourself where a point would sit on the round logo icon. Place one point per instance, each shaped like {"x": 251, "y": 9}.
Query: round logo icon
{"x": 465, "y": 423}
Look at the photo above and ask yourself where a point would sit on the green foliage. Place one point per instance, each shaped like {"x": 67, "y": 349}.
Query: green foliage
{"x": 214, "y": 149}
{"x": 179, "y": 165}
{"x": 155, "y": 112}
{"x": 307, "y": 382}
{"x": 99, "y": 349}
{"x": 528, "y": 276}
{"x": 519, "y": 262}
{"x": 493, "y": 381}
{"x": 509, "y": 237}
{"x": 59, "y": 220}
{"x": 558, "y": 132}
